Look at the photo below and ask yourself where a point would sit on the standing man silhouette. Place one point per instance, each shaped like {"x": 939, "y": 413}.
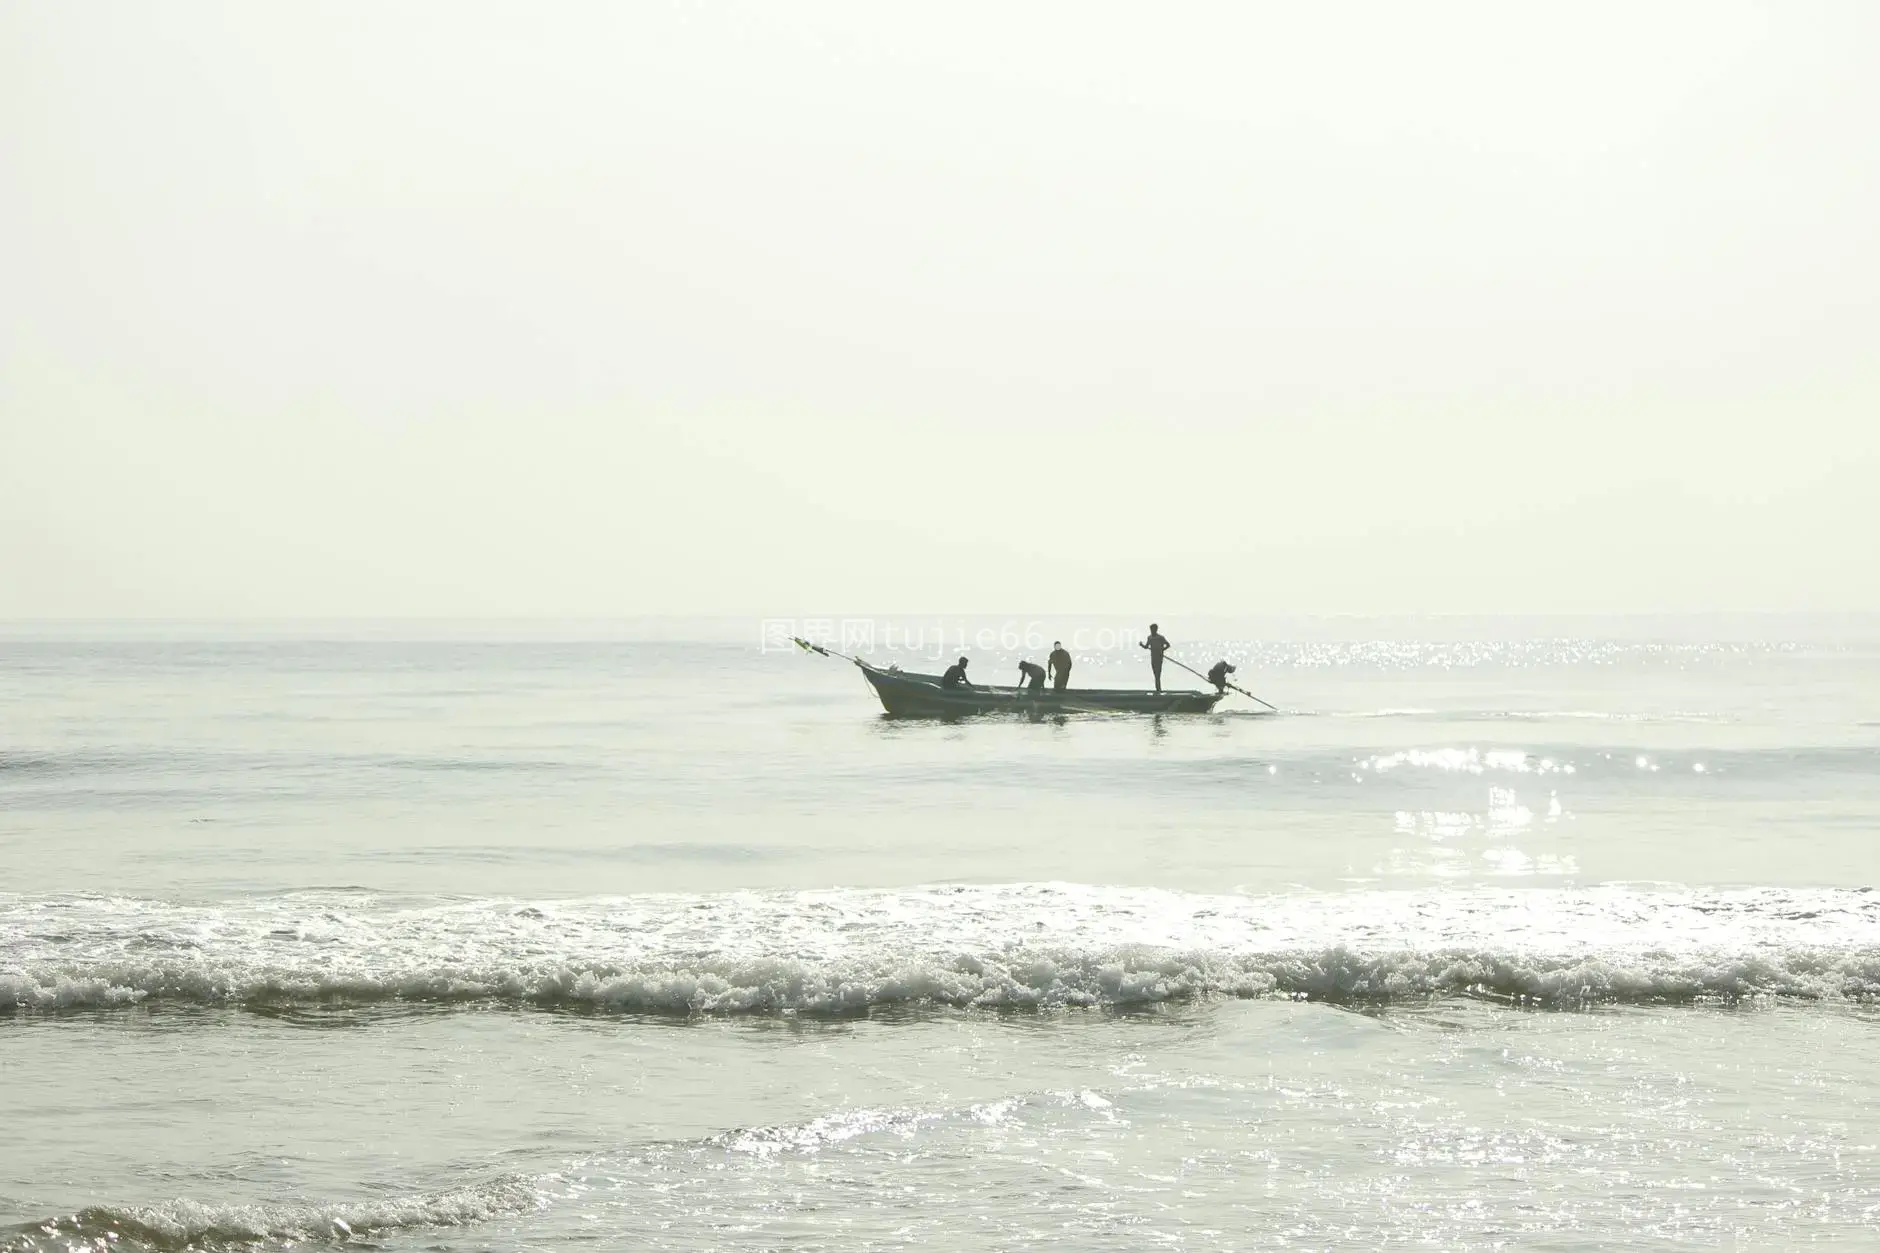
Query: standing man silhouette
{"x": 1060, "y": 663}
{"x": 1156, "y": 646}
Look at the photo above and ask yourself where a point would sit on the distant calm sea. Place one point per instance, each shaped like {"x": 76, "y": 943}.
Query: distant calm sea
{"x": 1505, "y": 934}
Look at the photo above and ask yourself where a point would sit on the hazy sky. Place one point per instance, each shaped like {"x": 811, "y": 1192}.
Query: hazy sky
{"x": 584, "y": 309}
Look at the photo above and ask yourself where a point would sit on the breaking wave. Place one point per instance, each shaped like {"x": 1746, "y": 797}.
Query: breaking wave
{"x": 184, "y": 1224}
{"x": 1020, "y": 946}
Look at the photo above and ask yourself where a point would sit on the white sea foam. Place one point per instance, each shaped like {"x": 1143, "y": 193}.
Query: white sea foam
{"x": 183, "y": 1224}
{"x": 1026, "y": 946}
{"x": 819, "y": 1133}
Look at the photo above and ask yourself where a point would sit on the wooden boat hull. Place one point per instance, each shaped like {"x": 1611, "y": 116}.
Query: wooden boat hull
{"x": 906, "y": 695}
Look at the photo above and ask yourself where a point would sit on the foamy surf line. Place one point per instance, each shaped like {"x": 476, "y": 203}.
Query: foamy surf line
{"x": 185, "y": 1224}
{"x": 1028, "y": 946}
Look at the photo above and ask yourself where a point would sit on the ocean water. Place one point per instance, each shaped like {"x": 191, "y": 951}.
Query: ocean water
{"x": 1504, "y": 934}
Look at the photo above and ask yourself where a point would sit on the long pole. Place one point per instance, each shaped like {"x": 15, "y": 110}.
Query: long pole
{"x": 806, "y": 646}
{"x": 1243, "y": 691}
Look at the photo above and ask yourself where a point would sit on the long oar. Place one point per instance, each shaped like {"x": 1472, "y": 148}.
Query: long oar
{"x": 808, "y": 647}
{"x": 1243, "y": 691}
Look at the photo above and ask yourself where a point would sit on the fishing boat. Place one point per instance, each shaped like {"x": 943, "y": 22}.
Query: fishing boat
{"x": 905, "y": 694}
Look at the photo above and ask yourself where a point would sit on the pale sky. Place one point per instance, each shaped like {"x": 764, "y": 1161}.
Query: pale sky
{"x": 610, "y": 309}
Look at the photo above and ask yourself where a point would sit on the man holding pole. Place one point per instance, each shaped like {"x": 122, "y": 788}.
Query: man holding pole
{"x": 1156, "y": 646}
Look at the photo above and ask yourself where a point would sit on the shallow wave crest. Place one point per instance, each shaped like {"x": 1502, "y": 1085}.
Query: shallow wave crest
{"x": 187, "y": 1224}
